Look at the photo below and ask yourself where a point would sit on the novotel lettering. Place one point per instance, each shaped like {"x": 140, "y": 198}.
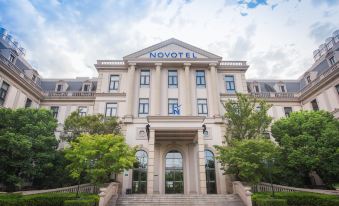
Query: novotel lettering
{"x": 174, "y": 55}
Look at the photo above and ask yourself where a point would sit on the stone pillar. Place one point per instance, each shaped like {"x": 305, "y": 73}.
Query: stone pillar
{"x": 157, "y": 88}
{"x": 187, "y": 98}
{"x": 215, "y": 97}
{"x": 201, "y": 157}
{"x": 150, "y": 168}
{"x": 130, "y": 90}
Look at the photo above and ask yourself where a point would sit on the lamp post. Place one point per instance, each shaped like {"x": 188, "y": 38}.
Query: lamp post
{"x": 269, "y": 164}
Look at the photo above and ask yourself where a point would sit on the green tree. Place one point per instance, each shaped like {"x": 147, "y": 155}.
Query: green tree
{"x": 27, "y": 145}
{"x": 98, "y": 156}
{"x": 246, "y": 117}
{"x": 310, "y": 142}
{"x": 246, "y": 158}
{"x": 75, "y": 125}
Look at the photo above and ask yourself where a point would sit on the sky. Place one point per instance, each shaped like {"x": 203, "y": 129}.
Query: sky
{"x": 64, "y": 38}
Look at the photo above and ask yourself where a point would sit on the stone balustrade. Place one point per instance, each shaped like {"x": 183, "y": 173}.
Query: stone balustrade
{"x": 69, "y": 94}
{"x": 109, "y": 194}
{"x": 243, "y": 192}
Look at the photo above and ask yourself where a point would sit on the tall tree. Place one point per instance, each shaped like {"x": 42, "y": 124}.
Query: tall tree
{"x": 27, "y": 145}
{"x": 246, "y": 117}
{"x": 310, "y": 142}
{"x": 75, "y": 125}
{"x": 98, "y": 156}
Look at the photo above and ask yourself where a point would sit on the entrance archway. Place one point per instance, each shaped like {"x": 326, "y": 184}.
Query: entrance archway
{"x": 210, "y": 172}
{"x": 139, "y": 177}
{"x": 174, "y": 173}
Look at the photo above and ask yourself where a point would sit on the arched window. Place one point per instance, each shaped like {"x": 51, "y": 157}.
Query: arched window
{"x": 210, "y": 172}
{"x": 174, "y": 175}
{"x": 139, "y": 177}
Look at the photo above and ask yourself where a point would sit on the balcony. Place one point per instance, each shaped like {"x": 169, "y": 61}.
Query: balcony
{"x": 276, "y": 95}
{"x": 69, "y": 95}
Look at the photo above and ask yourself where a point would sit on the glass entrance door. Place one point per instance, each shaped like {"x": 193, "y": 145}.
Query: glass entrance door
{"x": 210, "y": 172}
{"x": 174, "y": 175}
{"x": 139, "y": 179}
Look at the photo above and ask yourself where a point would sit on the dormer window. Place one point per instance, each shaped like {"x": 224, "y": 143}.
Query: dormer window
{"x": 332, "y": 61}
{"x": 33, "y": 78}
{"x": 11, "y": 58}
{"x": 256, "y": 88}
{"x": 86, "y": 87}
{"x": 282, "y": 88}
{"x": 308, "y": 78}
{"x": 59, "y": 87}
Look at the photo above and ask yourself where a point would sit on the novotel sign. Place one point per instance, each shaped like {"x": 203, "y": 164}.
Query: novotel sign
{"x": 172, "y": 55}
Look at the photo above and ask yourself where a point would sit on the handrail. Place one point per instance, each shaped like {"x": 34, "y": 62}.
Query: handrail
{"x": 69, "y": 93}
{"x": 107, "y": 194}
{"x": 84, "y": 188}
{"x": 243, "y": 192}
{"x": 267, "y": 187}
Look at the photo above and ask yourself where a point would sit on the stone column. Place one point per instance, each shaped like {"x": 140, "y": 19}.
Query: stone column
{"x": 150, "y": 168}
{"x": 157, "y": 88}
{"x": 214, "y": 90}
{"x": 187, "y": 98}
{"x": 201, "y": 157}
{"x": 130, "y": 90}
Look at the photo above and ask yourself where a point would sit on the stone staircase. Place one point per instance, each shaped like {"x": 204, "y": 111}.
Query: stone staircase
{"x": 180, "y": 200}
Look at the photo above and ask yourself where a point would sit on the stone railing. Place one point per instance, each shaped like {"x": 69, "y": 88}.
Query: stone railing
{"x": 281, "y": 95}
{"x": 69, "y": 94}
{"x": 267, "y": 187}
{"x": 243, "y": 192}
{"x": 233, "y": 63}
{"x": 109, "y": 194}
{"x": 110, "y": 62}
{"x": 84, "y": 188}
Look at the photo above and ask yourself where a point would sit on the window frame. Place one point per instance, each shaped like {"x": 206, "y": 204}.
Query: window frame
{"x": 12, "y": 58}
{"x": 114, "y": 85}
{"x": 3, "y": 92}
{"x": 282, "y": 88}
{"x": 204, "y": 107}
{"x": 332, "y": 61}
{"x": 55, "y": 113}
{"x": 57, "y": 87}
{"x": 287, "y": 113}
{"x": 172, "y": 79}
{"x": 337, "y": 88}
{"x": 200, "y": 80}
{"x": 111, "y": 109}
{"x": 230, "y": 84}
{"x": 315, "y": 105}
{"x": 145, "y": 79}
{"x": 28, "y": 103}
{"x": 82, "y": 114}
{"x": 172, "y": 106}
{"x": 84, "y": 86}
{"x": 143, "y": 107}
{"x": 308, "y": 79}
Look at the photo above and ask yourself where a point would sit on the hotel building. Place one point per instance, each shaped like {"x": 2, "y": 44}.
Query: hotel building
{"x": 169, "y": 97}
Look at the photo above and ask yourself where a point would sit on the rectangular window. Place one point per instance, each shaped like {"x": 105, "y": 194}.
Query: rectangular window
{"x": 282, "y": 88}
{"x": 143, "y": 107}
{"x": 59, "y": 87}
{"x": 256, "y": 88}
{"x": 332, "y": 61}
{"x": 55, "y": 111}
{"x": 28, "y": 103}
{"x": 314, "y": 104}
{"x": 144, "y": 78}
{"x": 114, "y": 83}
{"x": 111, "y": 109}
{"x": 230, "y": 85}
{"x": 33, "y": 78}
{"x": 86, "y": 87}
{"x": 308, "y": 78}
{"x": 3, "y": 92}
{"x": 337, "y": 88}
{"x": 287, "y": 111}
{"x": 202, "y": 107}
{"x": 200, "y": 78}
{"x": 12, "y": 58}
{"x": 173, "y": 107}
{"x": 172, "y": 79}
{"x": 82, "y": 111}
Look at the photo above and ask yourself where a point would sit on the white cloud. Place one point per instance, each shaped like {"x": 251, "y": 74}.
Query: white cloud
{"x": 66, "y": 40}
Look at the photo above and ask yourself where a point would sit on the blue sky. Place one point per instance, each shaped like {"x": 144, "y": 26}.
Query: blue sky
{"x": 64, "y": 38}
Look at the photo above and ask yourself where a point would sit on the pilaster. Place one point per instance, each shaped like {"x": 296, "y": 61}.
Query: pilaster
{"x": 150, "y": 168}
{"x": 187, "y": 98}
{"x": 201, "y": 165}
{"x": 130, "y": 90}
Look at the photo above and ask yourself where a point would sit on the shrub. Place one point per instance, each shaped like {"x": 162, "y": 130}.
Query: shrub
{"x": 299, "y": 198}
{"x": 270, "y": 202}
{"x": 89, "y": 202}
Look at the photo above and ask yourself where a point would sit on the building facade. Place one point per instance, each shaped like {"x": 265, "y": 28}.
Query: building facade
{"x": 169, "y": 97}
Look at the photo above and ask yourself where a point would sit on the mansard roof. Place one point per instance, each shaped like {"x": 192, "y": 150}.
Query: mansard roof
{"x": 174, "y": 42}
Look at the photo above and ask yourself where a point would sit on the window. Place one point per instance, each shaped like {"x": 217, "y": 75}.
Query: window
{"x": 337, "y": 88}
{"x": 210, "y": 172}
{"x": 314, "y": 104}
{"x": 332, "y": 61}
{"x": 12, "y": 58}
{"x": 55, "y": 111}
{"x": 59, "y": 87}
{"x": 172, "y": 79}
{"x": 282, "y": 88}
{"x": 28, "y": 103}
{"x": 308, "y": 78}
{"x": 200, "y": 78}
{"x": 143, "y": 107}
{"x": 114, "y": 83}
{"x": 3, "y": 92}
{"x": 111, "y": 109}
{"x": 173, "y": 108}
{"x": 139, "y": 176}
{"x": 287, "y": 111}
{"x": 82, "y": 111}
{"x": 202, "y": 107}
{"x": 87, "y": 87}
{"x": 33, "y": 78}
{"x": 256, "y": 88}
{"x": 144, "y": 78}
{"x": 230, "y": 86}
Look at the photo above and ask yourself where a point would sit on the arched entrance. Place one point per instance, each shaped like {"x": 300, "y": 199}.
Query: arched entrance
{"x": 174, "y": 175}
{"x": 210, "y": 172}
{"x": 139, "y": 177}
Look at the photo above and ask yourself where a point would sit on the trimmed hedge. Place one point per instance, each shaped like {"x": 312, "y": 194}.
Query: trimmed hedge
{"x": 299, "y": 198}
{"x": 49, "y": 199}
{"x": 270, "y": 202}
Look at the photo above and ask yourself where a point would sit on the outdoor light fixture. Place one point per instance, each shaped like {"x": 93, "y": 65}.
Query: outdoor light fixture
{"x": 203, "y": 128}
{"x": 147, "y": 130}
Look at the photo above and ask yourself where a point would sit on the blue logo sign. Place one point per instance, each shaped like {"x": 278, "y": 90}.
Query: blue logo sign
{"x": 172, "y": 55}
{"x": 176, "y": 110}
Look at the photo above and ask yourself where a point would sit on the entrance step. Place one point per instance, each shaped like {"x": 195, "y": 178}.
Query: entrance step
{"x": 180, "y": 200}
